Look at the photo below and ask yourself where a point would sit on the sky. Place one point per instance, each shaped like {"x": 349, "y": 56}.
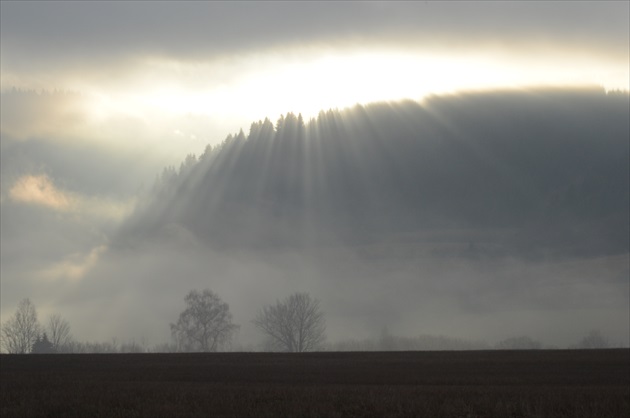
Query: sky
{"x": 97, "y": 97}
{"x": 187, "y": 73}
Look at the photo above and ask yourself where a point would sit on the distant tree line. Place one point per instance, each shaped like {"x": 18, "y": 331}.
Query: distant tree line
{"x": 294, "y": 324}
{"x": 389, "y": 342}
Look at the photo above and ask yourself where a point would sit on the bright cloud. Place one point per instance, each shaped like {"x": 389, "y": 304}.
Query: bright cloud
{"x": 39, "y": 190}
{"x": 157, "y": 95}
{"x": 73, "y": 267}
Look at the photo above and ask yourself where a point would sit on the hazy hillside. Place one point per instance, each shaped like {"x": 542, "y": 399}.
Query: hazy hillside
{"x": 503, "y": 172}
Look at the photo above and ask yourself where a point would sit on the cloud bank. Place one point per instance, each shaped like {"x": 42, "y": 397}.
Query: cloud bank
{"x": 470, "y": 215}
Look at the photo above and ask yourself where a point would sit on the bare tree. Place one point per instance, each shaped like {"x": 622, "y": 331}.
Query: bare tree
{"x": 205, "y": 325}
{"x": 594, "y": 339}
{"x": 59, "y": 331}
{"x": 21, "y": 331}
{"x": 295, "y": 325}
{"x": 132, "y": 347}
{"x": 519, "y": 343}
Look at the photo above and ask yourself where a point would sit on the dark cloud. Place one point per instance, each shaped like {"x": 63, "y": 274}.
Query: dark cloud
{"x": 71, "y": 32}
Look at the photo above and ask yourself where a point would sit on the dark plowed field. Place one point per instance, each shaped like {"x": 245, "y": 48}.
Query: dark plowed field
{"x": 589, "y": 383}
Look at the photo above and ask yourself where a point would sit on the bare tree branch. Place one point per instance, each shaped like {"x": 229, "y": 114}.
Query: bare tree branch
{"x": 21, "y": 330}
{"x": 59, "y": 332}
{"x": 294, "y": 325}
{"x": 205, "y": 325}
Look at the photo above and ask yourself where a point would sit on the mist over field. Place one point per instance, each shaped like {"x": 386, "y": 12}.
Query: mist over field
{"x": 476, "y": 216}
{"x": 480, "y": 216}
{"x": 436, "y": 174}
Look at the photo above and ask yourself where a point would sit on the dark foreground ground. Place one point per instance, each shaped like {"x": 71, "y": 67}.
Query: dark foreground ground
{"x": 589, "y": 383}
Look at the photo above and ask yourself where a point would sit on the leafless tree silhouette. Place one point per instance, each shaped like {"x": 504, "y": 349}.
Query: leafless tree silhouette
{"x": 59, "y": 332}
{"x": 205, "y": 325}
{"x": 21, "y": 331}
{"x": 295, "y": 325}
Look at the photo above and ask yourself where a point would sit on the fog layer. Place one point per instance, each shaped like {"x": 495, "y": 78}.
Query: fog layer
{"x": 480, "y": 216}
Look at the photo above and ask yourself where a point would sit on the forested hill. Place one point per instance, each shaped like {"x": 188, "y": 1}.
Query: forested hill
{"x": 521, "y": 171}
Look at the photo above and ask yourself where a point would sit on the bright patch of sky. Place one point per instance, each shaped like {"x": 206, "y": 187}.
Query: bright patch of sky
{"x": 156, "y": 65}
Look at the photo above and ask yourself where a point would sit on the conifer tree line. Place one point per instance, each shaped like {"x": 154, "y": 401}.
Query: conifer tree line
{"x": 480, "y": 161}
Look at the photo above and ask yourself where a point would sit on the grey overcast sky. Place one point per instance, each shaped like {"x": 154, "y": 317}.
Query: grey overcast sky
{"x": 97, "y": 97}
{"x": 149, "y": 63}
{"x": 59, "y": 31}
{"x": 188, "y": 56}
{"x": 179, "y": 75}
